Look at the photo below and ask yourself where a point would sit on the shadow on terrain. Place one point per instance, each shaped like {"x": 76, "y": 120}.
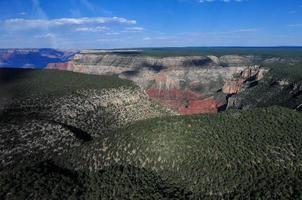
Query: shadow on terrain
{"x": 78, "y": 133}
{"x": 17, "y": 116}
{"x": 156, "y": 67}
{"x": 198, "y": 62}
{"x": 9, "y": 77}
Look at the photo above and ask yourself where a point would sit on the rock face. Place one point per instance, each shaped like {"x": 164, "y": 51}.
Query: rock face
{"x": 187, "y": 84}
{"x": 252, "y": 74}
{"x": 233, "y": 86}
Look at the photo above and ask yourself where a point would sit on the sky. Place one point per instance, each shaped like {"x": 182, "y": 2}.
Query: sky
{"x": 101, "y": 24}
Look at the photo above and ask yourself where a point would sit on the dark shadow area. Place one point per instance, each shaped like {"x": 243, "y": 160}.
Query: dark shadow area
{"x": 198, "y": 62}
{"x": 19, "y": 115}
{"x": 130, "y": 73}
{"x": 155, "y": 67}
{"x": 78, "y": 133}
{"x": 223, "y": 108}
{"x": 9, "y": 79}
{"x": 8, "y": 75}
{"x": 250, "y": 84}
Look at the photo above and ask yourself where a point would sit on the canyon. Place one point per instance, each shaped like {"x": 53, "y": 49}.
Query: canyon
{"x": 185, "y": 84}
{"x": 33, "y": 58}
{"x": 106, "y": 121}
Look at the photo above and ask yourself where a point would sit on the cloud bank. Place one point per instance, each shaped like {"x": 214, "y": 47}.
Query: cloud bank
{"x": 30, "y": 24}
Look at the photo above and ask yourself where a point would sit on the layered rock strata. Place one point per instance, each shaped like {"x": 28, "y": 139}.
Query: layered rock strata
{"x": 188, "y": 84}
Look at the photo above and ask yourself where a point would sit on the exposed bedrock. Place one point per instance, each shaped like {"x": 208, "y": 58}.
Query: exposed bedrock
{"x": 188, "y": 84}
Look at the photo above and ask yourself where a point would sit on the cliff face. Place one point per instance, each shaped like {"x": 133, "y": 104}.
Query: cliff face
{"x": 249, "y": 75}
{"x": 233, "y": 86}
{"x": 188, "y": 85}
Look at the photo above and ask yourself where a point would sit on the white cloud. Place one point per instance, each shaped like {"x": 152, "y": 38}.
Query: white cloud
{"x": 29, "y": 24}
{"x": 134, "y": 29}
{"x": 113, "y": 33}
{"x": 92, "y": 29}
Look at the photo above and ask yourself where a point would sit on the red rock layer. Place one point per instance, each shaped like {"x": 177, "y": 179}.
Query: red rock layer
{"x": 184, "y": 102}
{"x": 199, "y": 107}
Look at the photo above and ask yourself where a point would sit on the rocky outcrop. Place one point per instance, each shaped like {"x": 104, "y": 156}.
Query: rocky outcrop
{"x": 233, "y": 86}
{"x": 248, "y": 76}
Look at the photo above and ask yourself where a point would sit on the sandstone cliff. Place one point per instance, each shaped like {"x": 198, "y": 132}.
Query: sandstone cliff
{"x": 249, "y": 74}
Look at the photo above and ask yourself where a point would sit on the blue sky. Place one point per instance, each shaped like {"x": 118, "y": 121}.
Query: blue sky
{"x": 149, "y": 23}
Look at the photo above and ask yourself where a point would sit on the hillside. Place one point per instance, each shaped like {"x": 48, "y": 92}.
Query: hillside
{"x": 237, "y": 154}
{"x": 52, "y": 111}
